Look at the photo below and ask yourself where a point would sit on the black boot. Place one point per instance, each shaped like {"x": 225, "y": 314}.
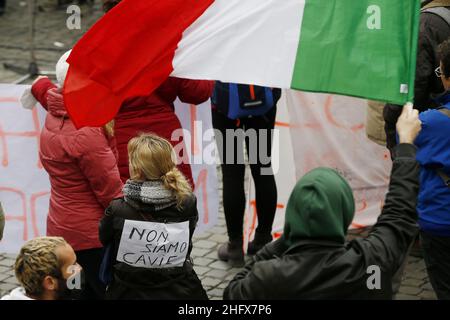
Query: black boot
{"x": 232, "y": 253}
{"x": 260, "y": 241}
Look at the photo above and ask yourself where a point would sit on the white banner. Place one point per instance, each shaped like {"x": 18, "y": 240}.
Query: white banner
{"x": 197, "y": 126}
{"x": 24, "y": 184}
{"x": 314, "y": 130}
{"x": 319, "y": 130}
{"x": 154, "y": 245}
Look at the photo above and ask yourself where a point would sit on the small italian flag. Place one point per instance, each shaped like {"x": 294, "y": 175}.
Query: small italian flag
{"x": 363, "y": 48}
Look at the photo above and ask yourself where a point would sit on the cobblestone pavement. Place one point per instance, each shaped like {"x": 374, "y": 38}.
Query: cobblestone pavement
{"x": 215, "y": 274}
{"x": 50, "y": 35}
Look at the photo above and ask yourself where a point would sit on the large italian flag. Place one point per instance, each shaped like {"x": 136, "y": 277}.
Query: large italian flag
{"x": 364, "y": 48}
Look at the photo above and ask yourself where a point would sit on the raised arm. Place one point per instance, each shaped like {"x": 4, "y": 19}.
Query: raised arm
{"x": 40, "y": 88}
{"x": 397, "y": 227}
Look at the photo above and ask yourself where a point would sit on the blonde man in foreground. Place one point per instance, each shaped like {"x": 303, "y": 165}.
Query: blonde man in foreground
{"x": 47, "y": 269}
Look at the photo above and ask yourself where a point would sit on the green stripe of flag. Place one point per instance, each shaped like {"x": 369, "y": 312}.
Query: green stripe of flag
{"x": 363, "y": 48}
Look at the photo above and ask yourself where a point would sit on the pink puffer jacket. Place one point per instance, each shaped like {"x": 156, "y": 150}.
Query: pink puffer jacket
{"x": 82, "y": 166}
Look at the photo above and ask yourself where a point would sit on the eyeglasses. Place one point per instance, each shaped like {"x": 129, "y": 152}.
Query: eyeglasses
{"x": 438, "y": 72}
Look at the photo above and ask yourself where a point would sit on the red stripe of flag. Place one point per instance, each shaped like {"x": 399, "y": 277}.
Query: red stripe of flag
{"x": 127, "y": 53}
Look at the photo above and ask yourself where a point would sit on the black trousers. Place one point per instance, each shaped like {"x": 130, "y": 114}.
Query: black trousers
{"x": 258, "y": 133}
{"x": 436, "y": 252}
{"x": 391, "y": 113}
{"x": 2, "y": 4}
{"x": 90, "y": 260}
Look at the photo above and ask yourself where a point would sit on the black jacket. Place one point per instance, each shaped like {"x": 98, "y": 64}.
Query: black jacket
{"x": 433, "y": 31}
{"x": 316, "y": 269}
{"x": 131, "y": 282}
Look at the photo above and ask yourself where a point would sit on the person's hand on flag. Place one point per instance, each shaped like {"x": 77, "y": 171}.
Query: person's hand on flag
{"x": 408, "y": 125}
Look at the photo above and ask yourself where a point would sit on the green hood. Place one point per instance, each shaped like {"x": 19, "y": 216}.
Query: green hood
{"x": 321, "y": 206}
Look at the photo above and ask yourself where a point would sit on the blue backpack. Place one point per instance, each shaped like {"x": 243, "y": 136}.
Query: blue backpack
{"x": 106, "y": 272}
{"x": 242, "y": 101}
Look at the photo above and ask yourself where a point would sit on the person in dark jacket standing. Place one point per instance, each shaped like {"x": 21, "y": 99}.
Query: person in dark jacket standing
{"x": 256, "y": 131}
{"x": 151, "y": 228}
{"x": 433, "y": 31}
{"x": 312, "y": 261}
{"x": 433, "y": 145}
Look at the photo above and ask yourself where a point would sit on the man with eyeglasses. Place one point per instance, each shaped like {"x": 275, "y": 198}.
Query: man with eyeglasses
{"x": 434, "y": 29}
{"x": 438, "y": 72}
{"x": 433, "y": 207}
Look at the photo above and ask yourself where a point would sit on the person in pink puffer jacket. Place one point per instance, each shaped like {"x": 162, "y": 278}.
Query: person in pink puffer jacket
{"x": 84, "y": 177}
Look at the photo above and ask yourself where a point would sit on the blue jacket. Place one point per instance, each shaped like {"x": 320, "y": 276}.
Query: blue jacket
{"x": 433, "y": 145}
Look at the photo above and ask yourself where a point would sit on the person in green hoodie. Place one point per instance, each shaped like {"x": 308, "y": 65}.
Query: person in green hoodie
{"x": 312, "y": 260}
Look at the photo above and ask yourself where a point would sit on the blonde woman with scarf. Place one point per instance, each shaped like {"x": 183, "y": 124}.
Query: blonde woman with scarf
{"x": 151, "y": 227}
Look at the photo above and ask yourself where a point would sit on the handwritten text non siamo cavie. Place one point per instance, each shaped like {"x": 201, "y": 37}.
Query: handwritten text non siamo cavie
{"x": 154, "y": 245}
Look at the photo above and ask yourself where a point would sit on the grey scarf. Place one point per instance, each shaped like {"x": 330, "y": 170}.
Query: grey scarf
{"x": 149, "y": 192}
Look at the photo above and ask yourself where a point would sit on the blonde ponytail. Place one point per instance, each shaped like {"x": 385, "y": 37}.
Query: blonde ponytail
{"x": 109, "y": 128}
{"x": 176, "y": 182}
{"x": 153, "y": 158}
